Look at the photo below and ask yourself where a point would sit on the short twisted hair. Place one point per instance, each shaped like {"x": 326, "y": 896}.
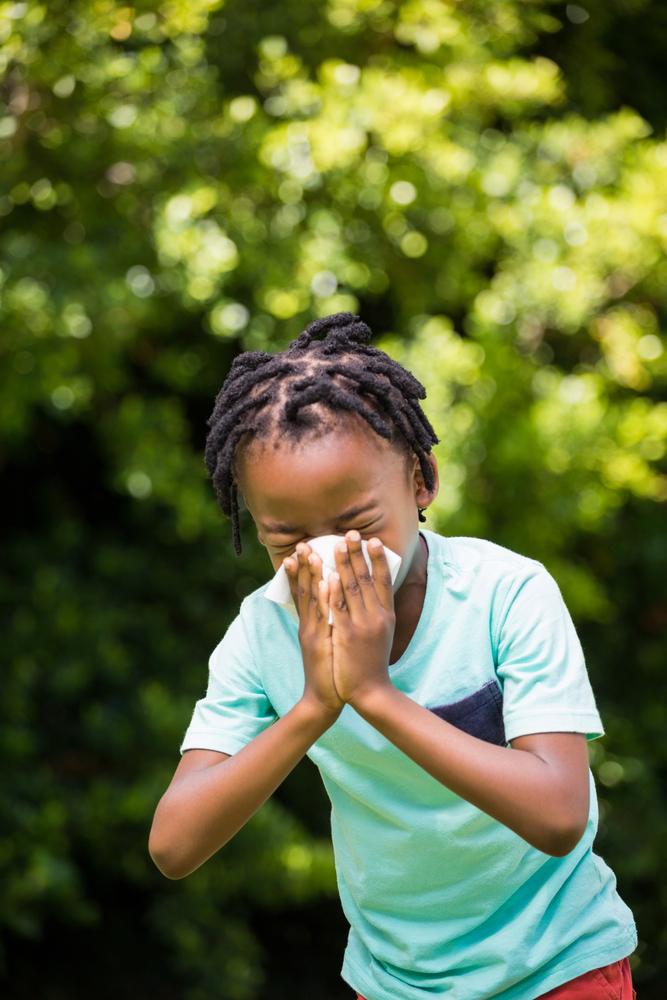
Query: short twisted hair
{"x": 264, "y": 396}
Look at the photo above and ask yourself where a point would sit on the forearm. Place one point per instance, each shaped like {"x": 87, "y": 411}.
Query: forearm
{"x": 514, "y": 786}
{"x": 200, "y": 813}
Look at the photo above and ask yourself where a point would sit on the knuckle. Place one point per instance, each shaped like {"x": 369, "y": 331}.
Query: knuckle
{"x": 353, "y": 587}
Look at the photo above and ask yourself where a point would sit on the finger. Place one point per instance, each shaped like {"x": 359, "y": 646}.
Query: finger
{"x": 306, "y": 580}
{"x": 315, "y": 568}
{"x": 291, "y": 564}
{"x": 302, "y": 594}
{"x": 290, "y": 569}
{"x": 336, "y": 597}
{"x": 384, "y": 587}
{"x": 362, "y": 571}
{"x": 348, "y": 581}
{"x": 323, "y": 605}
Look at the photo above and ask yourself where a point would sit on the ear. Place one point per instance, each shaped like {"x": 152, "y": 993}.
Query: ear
{"x": 423, "y": 496}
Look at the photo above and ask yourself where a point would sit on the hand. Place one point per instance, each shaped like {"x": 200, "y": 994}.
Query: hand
{"x": 364, "y": 619}
{"x": 311, "y": 597}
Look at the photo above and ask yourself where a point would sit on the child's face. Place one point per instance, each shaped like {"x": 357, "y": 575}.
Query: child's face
{"x": 298, "y": 492}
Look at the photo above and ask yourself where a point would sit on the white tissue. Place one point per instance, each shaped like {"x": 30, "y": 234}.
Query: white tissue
{"x": 279, "y": 589}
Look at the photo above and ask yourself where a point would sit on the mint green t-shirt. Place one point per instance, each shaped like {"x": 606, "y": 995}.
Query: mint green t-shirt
{"x": 442, "y": 899}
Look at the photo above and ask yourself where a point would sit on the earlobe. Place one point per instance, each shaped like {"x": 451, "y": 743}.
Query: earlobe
{"x": 432, "y": 493}
{"x": 423, "y": 495}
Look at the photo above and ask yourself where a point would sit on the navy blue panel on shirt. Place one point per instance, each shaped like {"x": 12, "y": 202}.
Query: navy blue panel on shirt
{"x": 479, "y": 713}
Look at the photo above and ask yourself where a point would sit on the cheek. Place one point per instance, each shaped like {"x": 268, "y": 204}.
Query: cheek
{"x": 277, "y": 560}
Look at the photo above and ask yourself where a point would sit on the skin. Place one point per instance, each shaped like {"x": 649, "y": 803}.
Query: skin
{"x": 538, "y": 786}
{"x": 335, "y": 473}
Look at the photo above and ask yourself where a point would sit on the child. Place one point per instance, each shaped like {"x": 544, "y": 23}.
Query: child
{"x": 448, "y": 713}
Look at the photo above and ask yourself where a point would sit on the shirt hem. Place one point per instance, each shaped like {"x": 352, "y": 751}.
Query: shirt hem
{"x": 578, "y": 722}
{"x": 202, "y": 740}
{"x": 600, "y": 957}
{"x": 557, "y": 977}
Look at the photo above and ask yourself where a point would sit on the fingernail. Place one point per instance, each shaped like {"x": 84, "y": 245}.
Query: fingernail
{"x": 353, "y": 536}
{"x": 341, "y": 547}
{"x": 375, "y": 544}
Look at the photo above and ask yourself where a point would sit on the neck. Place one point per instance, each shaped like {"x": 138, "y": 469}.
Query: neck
{"x": 415, "y": 580}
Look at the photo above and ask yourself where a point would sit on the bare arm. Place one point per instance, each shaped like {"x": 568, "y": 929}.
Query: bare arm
{"x": 538, "y": 787}
{"x": 212, "y": 795}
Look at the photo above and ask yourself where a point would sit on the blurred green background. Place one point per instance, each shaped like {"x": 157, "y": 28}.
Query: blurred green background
{"x": 486, "y": 184}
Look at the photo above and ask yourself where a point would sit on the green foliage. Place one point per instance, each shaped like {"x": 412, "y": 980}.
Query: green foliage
{"x": 185, "y": 180}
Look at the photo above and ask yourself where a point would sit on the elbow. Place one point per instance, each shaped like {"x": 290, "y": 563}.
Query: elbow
{"x": 170, "y": 861}
{"x": 169, "y": 866}
{"x": 562, "y": 840}
{"x": 163, "y": 860}
{"x": 168, "y": 873}
{"x": 165, "y": 870}
{"x": 567, "y": 825}
{"x": 161, "y": 848}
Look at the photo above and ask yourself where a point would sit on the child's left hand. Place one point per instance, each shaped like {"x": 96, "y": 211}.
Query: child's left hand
{"x": 363, "y": 619}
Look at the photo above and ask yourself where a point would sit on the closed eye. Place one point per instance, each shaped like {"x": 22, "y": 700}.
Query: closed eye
{"x": 292, "y": 546}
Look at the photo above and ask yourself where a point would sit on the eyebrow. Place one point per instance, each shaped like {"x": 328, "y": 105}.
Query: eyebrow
{"x": 279, "y": 528}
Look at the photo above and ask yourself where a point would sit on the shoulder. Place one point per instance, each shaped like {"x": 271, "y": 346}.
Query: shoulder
{"x": 265, "y": 620}
{"x": 252, "y": 601}
{"x": 487, "y": 578}
{"x": 466, "y": 555}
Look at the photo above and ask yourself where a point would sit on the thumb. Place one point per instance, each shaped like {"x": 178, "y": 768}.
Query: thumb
{"x": 323, "y": 605}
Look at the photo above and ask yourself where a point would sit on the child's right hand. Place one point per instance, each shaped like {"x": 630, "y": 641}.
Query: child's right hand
{"x": 311, "y": 598}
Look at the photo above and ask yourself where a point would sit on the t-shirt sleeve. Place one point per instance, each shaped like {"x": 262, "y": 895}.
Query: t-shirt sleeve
{"x": 235, "y": 708}
{"x": 541, "y": 665}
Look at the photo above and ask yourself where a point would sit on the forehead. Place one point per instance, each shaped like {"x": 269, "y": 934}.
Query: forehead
{"x": 288, "y": 484}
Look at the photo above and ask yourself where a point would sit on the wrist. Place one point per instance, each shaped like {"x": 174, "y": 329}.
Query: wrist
{"x": 315, "y": 714}
{"x": 369, "y": 701}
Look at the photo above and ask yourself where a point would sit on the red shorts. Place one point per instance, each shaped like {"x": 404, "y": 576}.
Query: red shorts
{"x": 611, "y": 982}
